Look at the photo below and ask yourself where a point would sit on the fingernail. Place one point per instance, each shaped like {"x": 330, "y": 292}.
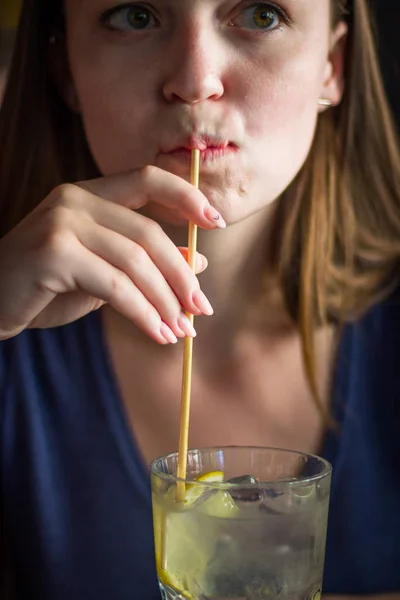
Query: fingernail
{"x": 201, "y": 262}
{"x": 186, "y": 326}
{"x": 202, "y": 303}
{"x": 168, "y": 334}
{"x": 214, "y": 217}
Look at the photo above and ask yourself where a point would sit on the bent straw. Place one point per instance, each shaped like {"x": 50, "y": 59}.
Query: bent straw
{"x": 187, "y": 351}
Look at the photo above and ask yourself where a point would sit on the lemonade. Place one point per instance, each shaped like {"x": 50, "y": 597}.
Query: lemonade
{"x": 258, "y": 537}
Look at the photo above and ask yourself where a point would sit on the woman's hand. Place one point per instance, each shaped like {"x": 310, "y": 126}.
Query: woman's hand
{"x": 85, "y": 245}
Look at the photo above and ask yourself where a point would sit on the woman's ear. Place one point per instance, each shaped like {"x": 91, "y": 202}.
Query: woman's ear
{"x": 333, "y": 84}
{"x": 59, "y": 66}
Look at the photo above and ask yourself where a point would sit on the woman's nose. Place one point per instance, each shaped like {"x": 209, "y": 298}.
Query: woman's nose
{"x": 195, "y": 69}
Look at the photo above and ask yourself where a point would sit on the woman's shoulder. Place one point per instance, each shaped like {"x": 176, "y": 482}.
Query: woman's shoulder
{"x": 368, "y": 360}
{"x": 36, "y": 355}
{"x": 34, "y": 341}
{"x": 381, "y": 323}
{"x": 376, "y": 334}
{"x": 364, "y": 450}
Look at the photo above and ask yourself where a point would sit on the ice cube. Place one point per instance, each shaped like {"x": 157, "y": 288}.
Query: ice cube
{"x": 219, "y": 503}
{"x": 244, "y": 479}
{"x": 264, "y": 588}
{"x": 245, "y": 494}
{"x": 168, "y": 593}
{"x": 243, "y": 579}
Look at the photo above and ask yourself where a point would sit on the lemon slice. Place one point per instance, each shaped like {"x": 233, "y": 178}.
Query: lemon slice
{"x": 193, "y": 491}
{"x": 183, "y": 547}
{"x": 212, "y": 477}
{"x": 183, "y": 561}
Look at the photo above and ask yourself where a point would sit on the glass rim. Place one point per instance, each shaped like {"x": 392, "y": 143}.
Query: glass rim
{"x": 326, "y": 470}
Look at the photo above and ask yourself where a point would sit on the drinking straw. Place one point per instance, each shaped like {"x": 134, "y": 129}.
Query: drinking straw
{"x": 187, "y": 351}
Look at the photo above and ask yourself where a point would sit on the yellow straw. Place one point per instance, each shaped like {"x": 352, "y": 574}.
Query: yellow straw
{"x": 187, "y": 351}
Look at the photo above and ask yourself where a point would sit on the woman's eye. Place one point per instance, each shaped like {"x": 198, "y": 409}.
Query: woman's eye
{"x": 261, "y": 16}
{"x": 126, "y": 18}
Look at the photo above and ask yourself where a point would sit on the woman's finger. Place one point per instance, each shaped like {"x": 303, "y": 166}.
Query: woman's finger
{"x": 136, "y": 189}
{"x": 132, "y": 259}
{"x": 102, "y": 280}
{"x": 149, "y": 235}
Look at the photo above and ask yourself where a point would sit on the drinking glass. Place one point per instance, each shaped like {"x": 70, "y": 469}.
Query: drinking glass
{"x": 251, "y": 524}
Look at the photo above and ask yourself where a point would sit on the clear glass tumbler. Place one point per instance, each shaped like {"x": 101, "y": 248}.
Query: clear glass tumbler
{"x": 251, "y": 524}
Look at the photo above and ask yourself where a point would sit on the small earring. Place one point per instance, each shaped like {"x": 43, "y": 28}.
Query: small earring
{"x": 325, "y": 102}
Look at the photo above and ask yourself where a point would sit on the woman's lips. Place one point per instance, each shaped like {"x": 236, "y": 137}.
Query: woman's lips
{"x": 210, "y": 154}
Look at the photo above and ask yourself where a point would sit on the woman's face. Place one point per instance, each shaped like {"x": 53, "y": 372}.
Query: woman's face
{"x": 240, "y": 80}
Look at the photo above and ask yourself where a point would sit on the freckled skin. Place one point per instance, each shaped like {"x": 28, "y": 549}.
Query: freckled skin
{"x": 138, "y": 90}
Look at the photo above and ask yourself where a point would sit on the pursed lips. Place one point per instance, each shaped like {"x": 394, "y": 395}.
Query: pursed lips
{"x": 210, "y": 147}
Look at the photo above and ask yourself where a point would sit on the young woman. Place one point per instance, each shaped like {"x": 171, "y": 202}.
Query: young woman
{"x": 300, "y": 221}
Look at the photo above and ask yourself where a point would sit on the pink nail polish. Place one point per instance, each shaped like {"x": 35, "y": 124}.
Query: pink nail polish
{"x": 168, "y": 334}
{"x": 185, "y": 325}
{"x": 214, "y": 217}
{"x": 201, "y": 301}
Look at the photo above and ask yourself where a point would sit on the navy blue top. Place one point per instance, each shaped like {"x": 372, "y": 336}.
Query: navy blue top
{"x": 76, "y": 493}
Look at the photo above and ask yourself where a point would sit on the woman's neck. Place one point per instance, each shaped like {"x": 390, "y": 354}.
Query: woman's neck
{"x": 236, "y": 281}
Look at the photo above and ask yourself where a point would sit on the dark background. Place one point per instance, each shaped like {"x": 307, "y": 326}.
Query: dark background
{"x": 387, "y": 18}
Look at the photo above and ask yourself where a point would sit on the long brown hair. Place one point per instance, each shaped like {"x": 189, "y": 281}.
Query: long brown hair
{"x": 337, "y": 242}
